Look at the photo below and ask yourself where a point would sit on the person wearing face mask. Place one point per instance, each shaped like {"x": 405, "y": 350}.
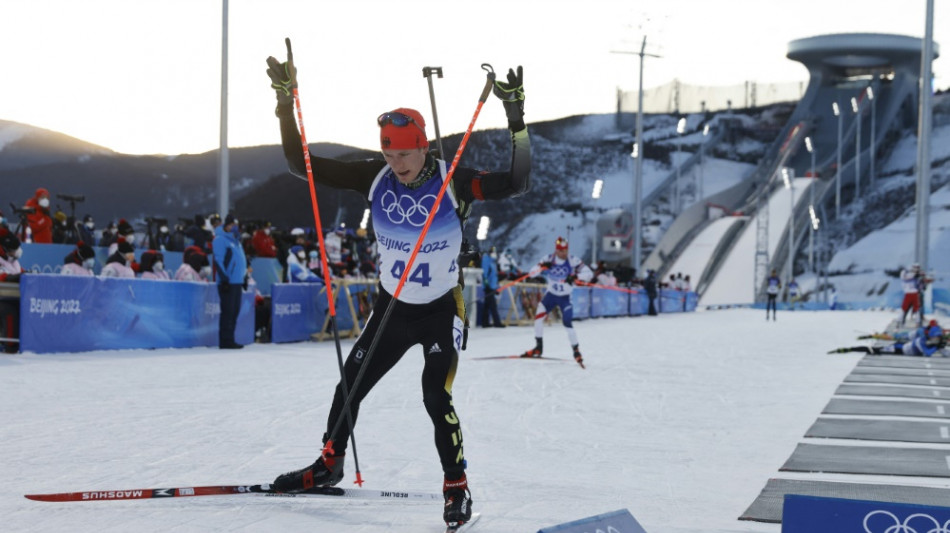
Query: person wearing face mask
{"x": 40, "y": 221}
{"x": 87, "y": 230}
{"x": 297, "y": 271}
{"x": 230, "y": 266}
{"x": 80, "y": 261}
{"x": 193, "y": 261}
{"x": 10, "y": 271}
{"x": 263, "y": 243}
{"x": 10, "y": 253}
{"x": 314, "y": 263}
{"x": 152, "y": 266}
{"x": 109, "y": 235}
{"x": 119, "y": 264}
{"x": 165, "y": 241}
{"x": 124, "y": 232}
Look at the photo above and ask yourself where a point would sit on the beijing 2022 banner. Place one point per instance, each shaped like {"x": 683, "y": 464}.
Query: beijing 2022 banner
{"x": 76, "y": 314}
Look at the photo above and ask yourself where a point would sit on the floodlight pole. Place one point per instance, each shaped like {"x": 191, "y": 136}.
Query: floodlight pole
{"x": 638, "y": 173}
{"x": 811, "y": 187}
{"x": 873, "y": 155}
{"x": 838, "y": 113}
{"x": 922, "y": 241}
{"x": 791, "y": 222}
{"x": 856, "y": 105}
{"x": 224, "y": 180}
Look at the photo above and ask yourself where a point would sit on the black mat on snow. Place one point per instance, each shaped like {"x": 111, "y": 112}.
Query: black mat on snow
{"x": 847, "y": 406}
{"x": 935, "y": 372}
{"x": 937, "y": 432}
{"x": 767, "y": 507}
{"x": 902, "y": 391}
{"x": 925, "y": 462}
{"x": 932, "y": 381}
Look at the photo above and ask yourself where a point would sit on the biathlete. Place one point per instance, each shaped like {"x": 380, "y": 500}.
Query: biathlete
{"x": 401, "y": 190}
{"x": 924, "y": 341}
{"x": 562, "y": 270}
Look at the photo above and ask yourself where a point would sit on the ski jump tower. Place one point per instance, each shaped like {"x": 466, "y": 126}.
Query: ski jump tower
{"x": 880, "y": 72}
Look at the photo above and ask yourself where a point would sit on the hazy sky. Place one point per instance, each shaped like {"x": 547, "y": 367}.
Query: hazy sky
{"x": 144, "y": 77}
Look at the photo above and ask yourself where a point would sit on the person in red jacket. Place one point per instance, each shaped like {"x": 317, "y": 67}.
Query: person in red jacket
{"x": 263, "y": 243}
{"x": 40, "y": 221}
{"x": 10, "y": 271}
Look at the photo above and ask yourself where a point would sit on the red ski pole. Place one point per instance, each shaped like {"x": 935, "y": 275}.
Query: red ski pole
{"x": 517, "y": 280}
{"x": 323, "y": 260}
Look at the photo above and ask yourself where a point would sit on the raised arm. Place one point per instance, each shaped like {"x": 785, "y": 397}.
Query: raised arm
{"x": 354, "y": 175}
{"x": 515, "y": 181}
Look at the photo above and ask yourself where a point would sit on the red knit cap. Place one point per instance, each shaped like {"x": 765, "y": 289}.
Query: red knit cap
{"x": 408, "y": 137}
{"x": 560, "y": 244}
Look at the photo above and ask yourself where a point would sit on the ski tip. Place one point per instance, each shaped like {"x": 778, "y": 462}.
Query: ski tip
{"x": 41, "y": 497}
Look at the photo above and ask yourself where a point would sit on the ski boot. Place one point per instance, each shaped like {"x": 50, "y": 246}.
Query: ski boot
{"x": 322, "y": 473}
{"x": 577, "y": 355}
{"x": 537, "y": 350}
{"x": 458, "y": 503}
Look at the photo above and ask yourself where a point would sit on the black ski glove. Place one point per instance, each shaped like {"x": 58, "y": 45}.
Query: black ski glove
{"x": 511, "y": 95}
{"x": 283, "y": 77}
{"x": 571, "y": 279}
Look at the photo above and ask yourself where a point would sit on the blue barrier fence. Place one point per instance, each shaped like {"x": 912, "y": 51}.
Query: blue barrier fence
{"x": 75, "y": 314}
{"x": 299, "y": 310}
{"x": 516, "y": 303}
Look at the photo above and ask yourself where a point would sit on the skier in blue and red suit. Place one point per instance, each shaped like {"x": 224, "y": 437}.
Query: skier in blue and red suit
{"x": 562, "y": 270}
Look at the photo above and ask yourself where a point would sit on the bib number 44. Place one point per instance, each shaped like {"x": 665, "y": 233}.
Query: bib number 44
{"x": 419, "y": 274}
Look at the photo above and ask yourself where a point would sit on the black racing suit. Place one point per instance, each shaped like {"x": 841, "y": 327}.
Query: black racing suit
{"x": 428, "y": 323}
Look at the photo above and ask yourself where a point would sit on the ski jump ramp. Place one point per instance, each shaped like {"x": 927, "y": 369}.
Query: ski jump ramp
{"x": 842, "y": 68}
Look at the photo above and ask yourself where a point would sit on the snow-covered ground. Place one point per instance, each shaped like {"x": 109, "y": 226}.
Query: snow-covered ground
{"x": 679, "y": 418}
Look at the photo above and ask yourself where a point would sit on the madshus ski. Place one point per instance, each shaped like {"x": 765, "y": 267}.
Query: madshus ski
{"x": 232, "y": 490}
{"x": 249, "y": 490}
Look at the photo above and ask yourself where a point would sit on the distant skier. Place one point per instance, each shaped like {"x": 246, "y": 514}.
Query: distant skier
{"x": 911, "y": 286}
{"x": 401, "y": 189}
{"x": 925, "y": 341}
{"x": 561, "y": 271}
{"x": 794, "y": 294}
{"x": 774, "y": 286}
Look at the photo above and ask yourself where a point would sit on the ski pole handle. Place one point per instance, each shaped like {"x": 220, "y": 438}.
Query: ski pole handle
{"x": 490, "y": 80}
{"x": 290, "y": 53}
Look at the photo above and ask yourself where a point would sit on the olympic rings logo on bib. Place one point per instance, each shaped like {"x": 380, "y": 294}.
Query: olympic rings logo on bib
{"x": 406, "y": 209}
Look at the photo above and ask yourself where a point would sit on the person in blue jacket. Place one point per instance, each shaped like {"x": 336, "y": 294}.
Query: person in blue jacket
{"x": 925, "y": 342}
{"x": 490, "y": 286}
{"x": 230, "y": 266}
